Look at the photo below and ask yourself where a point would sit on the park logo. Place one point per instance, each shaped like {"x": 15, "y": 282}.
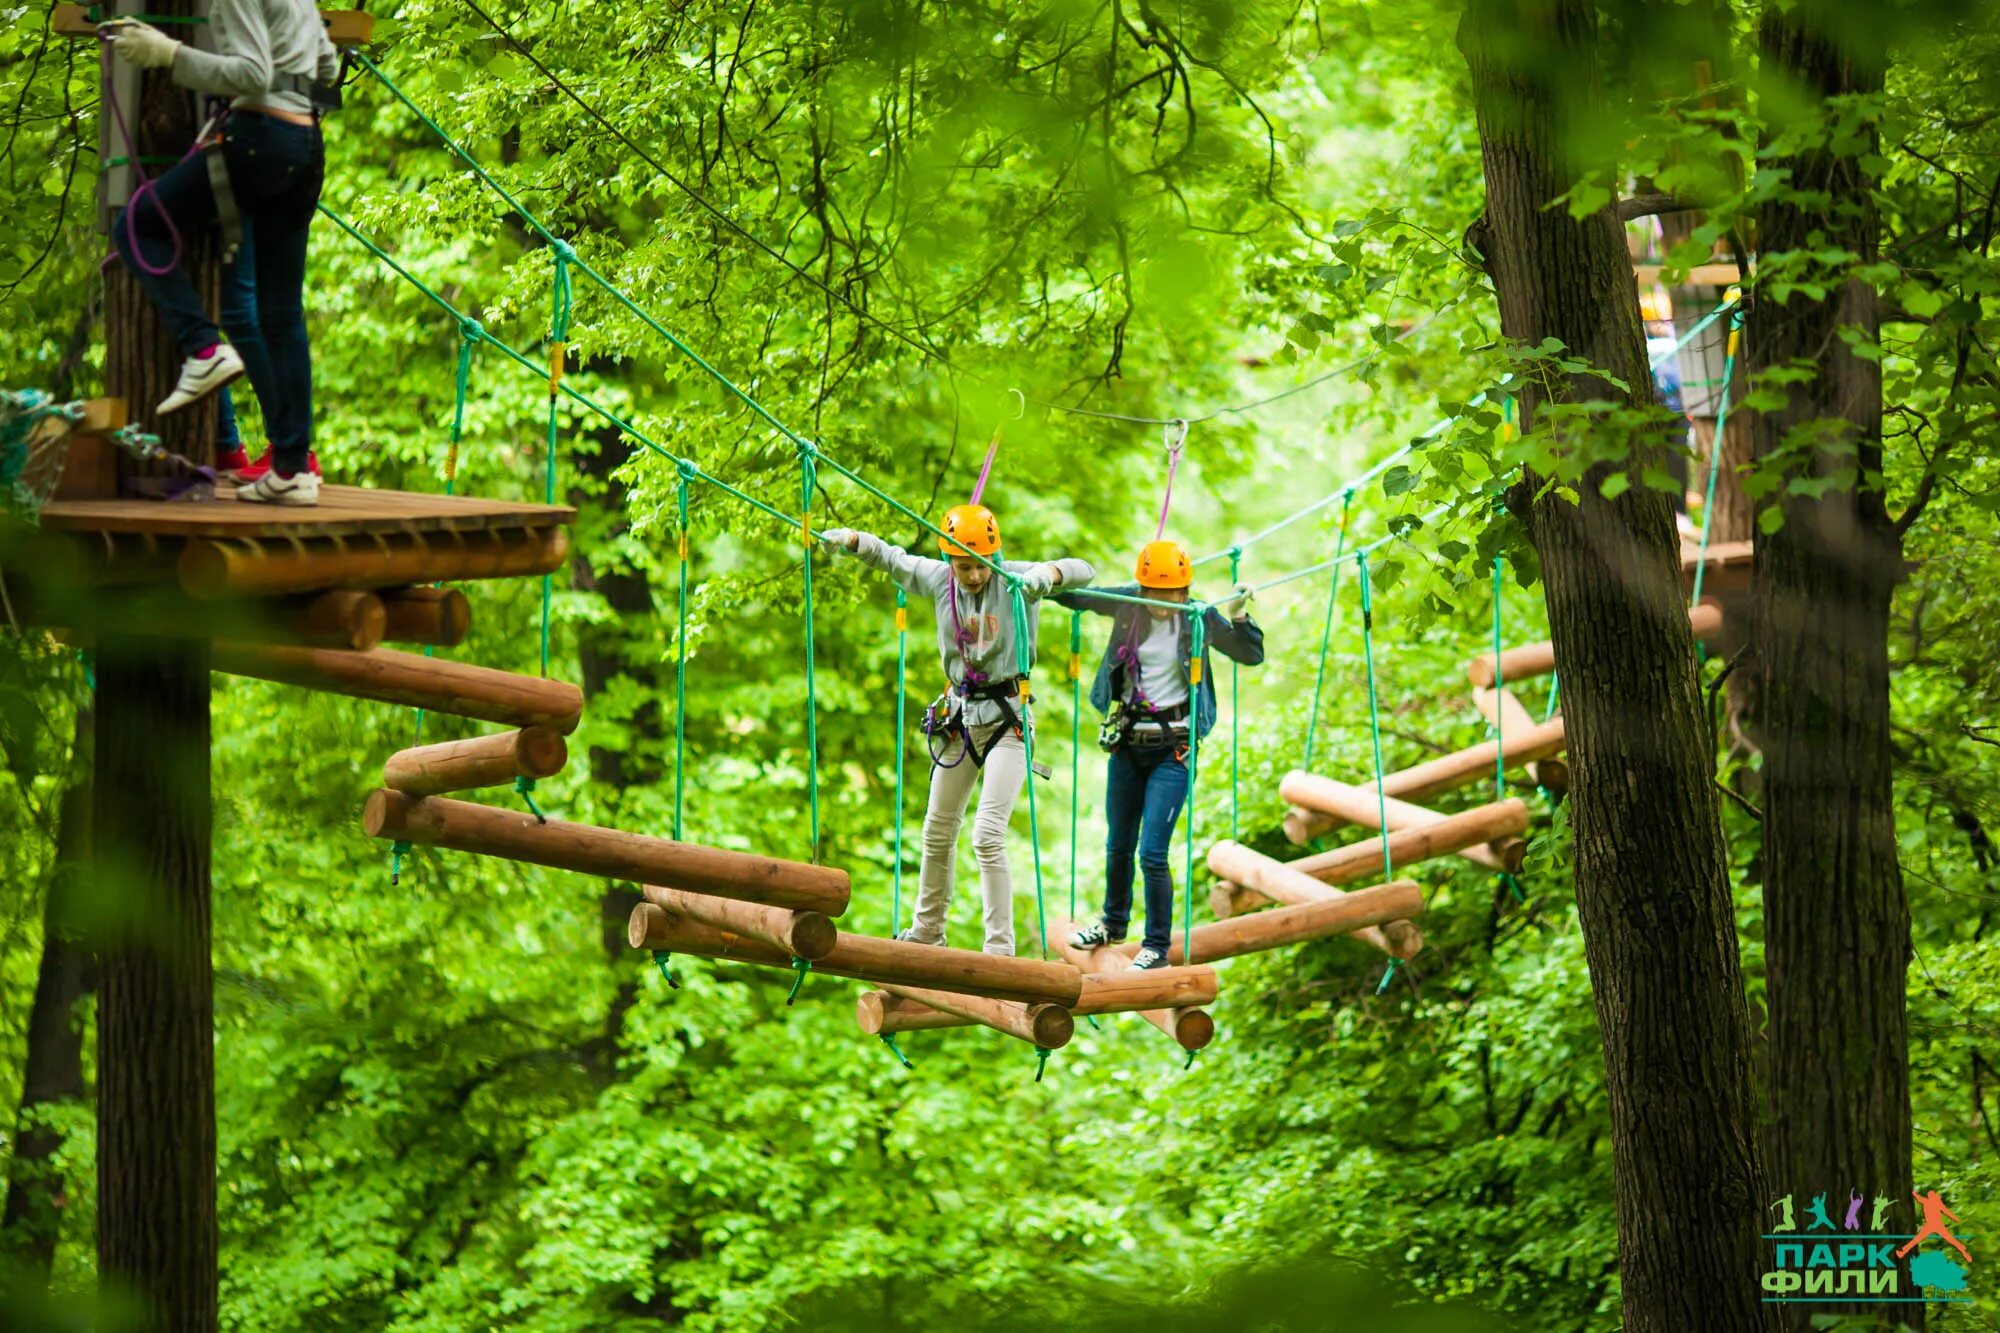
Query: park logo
{"x": 1846, "y": 1263}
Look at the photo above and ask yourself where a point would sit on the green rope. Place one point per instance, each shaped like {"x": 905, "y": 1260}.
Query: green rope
{"x": 902, "y": 745}
{"x": 1326, "y": 631}
{"x": 526, "y": 786}
{"x": 560, "y": 300}
{"x": 800, "y": 966}
{"x": 1235, "y": 713}
{"x": 1024, "y": 656}
{"x": 469, "y": 334}
{"x": 1190, "y": 1061}
{"x": 397, "y": 851}
{"x": 664, "y": 961}
{"x": 1715, "y": 457}
{"x": 1375, "y": 735}
{"x": 808, "y": 483}
{"x": 889, "y": 1040}
{"x": 1042, "y": 1054}
{"x": 1550, "y": 710}
{"x": 1075, "y": 742}
{"x": 1197, "y": 645}
{"x": 1513, "y": 886}
{"x": 681, "y": 664}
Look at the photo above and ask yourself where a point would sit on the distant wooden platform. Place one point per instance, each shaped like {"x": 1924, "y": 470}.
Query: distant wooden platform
{"x": 354, "y": 538}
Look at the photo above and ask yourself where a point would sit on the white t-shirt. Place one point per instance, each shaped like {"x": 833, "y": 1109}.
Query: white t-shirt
{"x": 1162, "y": 679}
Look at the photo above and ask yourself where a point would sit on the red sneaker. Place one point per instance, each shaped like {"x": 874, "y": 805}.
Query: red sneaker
{"x": 234, "y": 460}
{"x": 247, "y": 474}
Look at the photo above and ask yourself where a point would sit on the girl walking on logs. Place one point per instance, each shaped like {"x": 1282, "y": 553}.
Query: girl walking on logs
{"x": 1151, "y": 696}
{"x": 259, "y": 176}
{"x": 977, "y": 728}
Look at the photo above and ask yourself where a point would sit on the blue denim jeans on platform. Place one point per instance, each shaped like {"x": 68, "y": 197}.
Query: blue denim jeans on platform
{"x": 239, "y": 311}
{"x": 275, "y": 170}
{"x": 1144, "y": 791}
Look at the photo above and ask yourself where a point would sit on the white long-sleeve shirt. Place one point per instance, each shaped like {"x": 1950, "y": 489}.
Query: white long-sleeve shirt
{"x": 256, "y": 40}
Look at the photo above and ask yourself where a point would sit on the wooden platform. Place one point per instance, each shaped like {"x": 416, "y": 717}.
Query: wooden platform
{"x": 354, "y": 538}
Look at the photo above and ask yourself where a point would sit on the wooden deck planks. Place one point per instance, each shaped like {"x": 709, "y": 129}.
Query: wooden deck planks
{"x": 342, "y": 511}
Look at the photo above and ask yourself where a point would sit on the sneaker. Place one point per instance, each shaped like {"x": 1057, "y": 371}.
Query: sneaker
{"x": 231, "y": 461}
{"x": 301, "y": 488}
{"x": 202, "y": 376}
{"x": 910, "y": 936}
{"x": 1148, "y": 959}
{"x": 1095, "y": 937}
{"x": 247, "y": 472}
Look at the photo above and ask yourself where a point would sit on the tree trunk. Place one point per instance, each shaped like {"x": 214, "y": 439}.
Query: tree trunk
{"x": 1837, "y": 926}
{"x": 1651, "y": 878}
{"x": 156, "y": 1238}
{"x": 53, "y": 1070}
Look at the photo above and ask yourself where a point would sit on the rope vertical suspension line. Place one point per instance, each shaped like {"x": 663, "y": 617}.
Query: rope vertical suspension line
{"x": 1075, "y": 743}
{"x": 1375, "y": 734}
{"x": 902, "y": 744}
{"x": 1326, "y": 631}
{"x": 1715, "y": 456}
{"x": 560, "y": 300}
{"x": 808, "y": 483}
{"x": 1197, "y": 645}
{"x": 1024, "y": 656}
{"x": 681, "y": 658}
{"x": 1235, "y": 711}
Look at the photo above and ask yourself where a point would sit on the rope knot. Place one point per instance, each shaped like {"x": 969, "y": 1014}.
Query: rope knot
{"x": 563, "y": 251}
{"x": 688, "y": 469}
{"x": 808, "y": 450}
{"x": 470, "y": 329}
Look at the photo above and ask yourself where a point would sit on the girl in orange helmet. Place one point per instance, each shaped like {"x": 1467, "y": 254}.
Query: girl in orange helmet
{"x": 977, "y": 727}
{"x": 1144, "y": 688}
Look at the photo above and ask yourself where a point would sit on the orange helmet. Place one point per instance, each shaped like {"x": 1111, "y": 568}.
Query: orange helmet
{"x": 1165, "y": 564}
{"x": 970, "y": 530}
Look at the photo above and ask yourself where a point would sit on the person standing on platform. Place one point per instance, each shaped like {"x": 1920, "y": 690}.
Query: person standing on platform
{"x": 978, "y": 728}
{"x": 270, "y": 57}
{"x": 1153, "y": 703}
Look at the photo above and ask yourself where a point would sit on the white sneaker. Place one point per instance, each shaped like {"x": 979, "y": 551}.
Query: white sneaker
{"x": 1148, "y": 959}
{"x": 202, "y": 376}
{"x": 301, "y": 488}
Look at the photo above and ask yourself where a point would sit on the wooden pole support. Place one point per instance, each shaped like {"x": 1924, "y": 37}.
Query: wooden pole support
{"x": 1357, "y": 805}
{"x": 1539, "y": 659}
{"x": 1510, "y": 717}
{"x": 1191, "y": 1027}
{"x": 877, "y": 961}
{"x": 1441, "y": 774}
{"x": 516, "y": 835}
{"x": 220, "y": 566}
{"x": 1382, "y": 905}
{"x": 413, "y": 679}
{"x": 808, "y": 935}
{"x": 880, "y": 1014}
{"x": 483, "y": 761}
{"x": 441, "y": 617}
{"x": 1132, "y": 991}
{"x": 1048, "y": 1026}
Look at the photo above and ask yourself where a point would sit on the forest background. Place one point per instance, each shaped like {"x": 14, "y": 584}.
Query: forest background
{"x": 460, "y": 1101}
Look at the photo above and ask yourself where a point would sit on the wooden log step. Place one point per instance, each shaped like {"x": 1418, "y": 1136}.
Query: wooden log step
{"x": 1382, "y": 905}
{"x": 441, "y": 617}
{"x": 1440, "y": 774}
{"x": 808, "y": 935}
{"x": 866, "y": 958}
{"x": 1539, "y": 659}
{"x": 219, "y": 566}
{"x": 413, "y": 680}
{"x": 482, "y": 761}
{"x": 1358, "y": 805}
{"x": 516, "y": 835}
{"x": 913, "y": 1008}
{"x": 344, "y": 618}
{"x": 1192, "y": 1027}
{"x": 1508, "y": 716}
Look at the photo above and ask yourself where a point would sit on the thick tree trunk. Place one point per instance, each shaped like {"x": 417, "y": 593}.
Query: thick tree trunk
{"x": 1837, "y": 926}
{"x": 156, "y": 1236}
{"x": 155, "y": 1018}
{"x": 53, "y": 1071}
{"x": 1651, "y": 879}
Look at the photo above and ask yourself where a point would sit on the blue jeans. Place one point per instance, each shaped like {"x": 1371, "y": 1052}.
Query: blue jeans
{"x": 1144, "y": 791}
{"x": 275, "y": 170}
{"x": 239, "y": 311}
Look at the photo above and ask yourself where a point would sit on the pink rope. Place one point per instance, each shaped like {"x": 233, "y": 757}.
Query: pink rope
{"x": 1173, "y": 465}
{"x": 986, "y": 468}
{"x": 145, "y": 189}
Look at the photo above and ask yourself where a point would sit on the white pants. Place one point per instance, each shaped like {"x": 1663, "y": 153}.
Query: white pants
{"x": 951, "y": 789}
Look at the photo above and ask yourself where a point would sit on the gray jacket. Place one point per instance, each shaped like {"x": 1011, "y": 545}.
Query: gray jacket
{"x": 255, "y": 40}
{"x": 974, "y": 633}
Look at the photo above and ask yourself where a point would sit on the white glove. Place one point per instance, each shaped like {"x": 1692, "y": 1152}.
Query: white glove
{"x": 844, "y": 541}
{"x": 1238, "y": 604}
{"x": 140, "y": 44}
{"x": 1038, "y": 581}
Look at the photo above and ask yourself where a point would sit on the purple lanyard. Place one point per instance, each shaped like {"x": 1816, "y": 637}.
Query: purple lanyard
{"x": 960, "y": 636}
